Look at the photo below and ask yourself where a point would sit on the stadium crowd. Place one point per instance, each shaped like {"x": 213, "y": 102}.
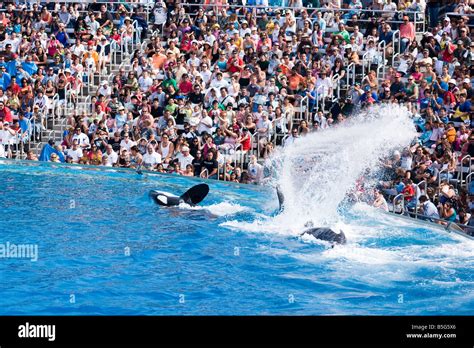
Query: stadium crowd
{"x": 229, "y": 81}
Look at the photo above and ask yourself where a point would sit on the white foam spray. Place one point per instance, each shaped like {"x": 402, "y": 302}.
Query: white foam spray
{"x": 315, "y": 173}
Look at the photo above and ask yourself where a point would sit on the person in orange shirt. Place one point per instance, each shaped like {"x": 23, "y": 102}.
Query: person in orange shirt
{"x": 158, "y": 60}
{"x": 294, "y": 80}
{"x": 451, "y": 133}
{"x": 91, "y": 53}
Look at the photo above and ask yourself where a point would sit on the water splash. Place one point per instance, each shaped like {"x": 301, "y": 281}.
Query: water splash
{"x": 316, "y": 172}
{"x": 219, "y": 209}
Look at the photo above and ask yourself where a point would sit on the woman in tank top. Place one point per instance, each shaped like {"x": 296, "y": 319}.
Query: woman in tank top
{"x": 166, "y": 148}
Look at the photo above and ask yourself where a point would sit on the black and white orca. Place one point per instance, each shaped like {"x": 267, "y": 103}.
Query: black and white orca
{"x": 322, "y": 233}
{"x": 192, "y": 196}
{"x": 326, "y": 234}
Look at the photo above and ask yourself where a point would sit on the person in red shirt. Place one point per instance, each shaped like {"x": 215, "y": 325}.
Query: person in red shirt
{"x": 185, "y": 86}
{"x": 408, "y": 191}
{"x": 15, "y": 87}
{"x": 5, "y": 113}
{"x": 245, "y": 140}
{"x": 235, "y": 63}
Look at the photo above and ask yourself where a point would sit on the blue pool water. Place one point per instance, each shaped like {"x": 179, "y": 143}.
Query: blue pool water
{"x": 211, "y": 260}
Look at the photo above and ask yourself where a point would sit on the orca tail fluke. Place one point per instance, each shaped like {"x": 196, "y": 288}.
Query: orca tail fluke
{"x": 195, "y": 194}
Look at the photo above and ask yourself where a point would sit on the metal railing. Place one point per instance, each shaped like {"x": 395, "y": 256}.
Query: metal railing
{"x": 336, "y": 85}
{"x": 396, "y": 41}
{"x": 350, "y": 75}
{"x": 398, "y": 198}
{"x": 381, "y": 47}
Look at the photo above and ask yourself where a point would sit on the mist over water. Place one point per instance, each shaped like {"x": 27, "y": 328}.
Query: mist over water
{"x": 316, "y": 172}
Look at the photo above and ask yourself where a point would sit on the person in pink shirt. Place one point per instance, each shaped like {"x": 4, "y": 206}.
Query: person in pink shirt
{"x": 407, "y": 33}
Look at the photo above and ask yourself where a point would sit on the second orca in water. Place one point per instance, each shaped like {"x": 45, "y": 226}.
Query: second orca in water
{"x": 322, "y": 233}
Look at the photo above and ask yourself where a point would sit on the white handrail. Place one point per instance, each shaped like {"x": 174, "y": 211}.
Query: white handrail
{"x": 381, "y": 48}
{"x": 350, "y": 73}
{"x": 397, "y": 197}
{"x": 365, "y": 61}
{"x": 335, "y": 84}
{"x": 318, "y": 95}
{"x": 396, "y": 38}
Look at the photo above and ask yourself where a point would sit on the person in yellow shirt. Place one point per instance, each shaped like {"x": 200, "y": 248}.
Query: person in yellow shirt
{"x": 451, "y": 133}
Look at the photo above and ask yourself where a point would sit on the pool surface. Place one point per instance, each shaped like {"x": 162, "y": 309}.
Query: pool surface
{"x": 104, "y": 248}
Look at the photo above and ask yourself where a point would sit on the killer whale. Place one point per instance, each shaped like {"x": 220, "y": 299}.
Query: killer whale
{"x": 326, "y": 234}
{"x": 321, "y": 233}
{"x": 192, "y": 196}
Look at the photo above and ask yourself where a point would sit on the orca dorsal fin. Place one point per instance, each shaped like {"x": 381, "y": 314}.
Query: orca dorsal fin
{"x": 195, "y": 194}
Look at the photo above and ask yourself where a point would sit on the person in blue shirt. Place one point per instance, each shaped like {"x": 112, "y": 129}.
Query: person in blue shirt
{"x": 368, "y": 97}
{"x": 29, "y": 66}
{"x": 62, "y": 36}
{"x": 5, "y": 77}
{"x": 312, "y": 95}
{"x": 25, "y": 126}
{"x": 462, "y": 109}
{"x": 431, "y": 99}
{"x": 386, "y": 34}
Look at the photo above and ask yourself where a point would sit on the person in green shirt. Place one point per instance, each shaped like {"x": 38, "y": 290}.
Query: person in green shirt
{"x": 342, "y": 34}
{"x": 171, "y": 107}
{"x": 170, "y": 81}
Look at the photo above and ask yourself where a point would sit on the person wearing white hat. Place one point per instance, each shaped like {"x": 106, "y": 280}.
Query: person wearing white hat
{"x": 446, "y": 25}
{"x": 467, "y": 87}
{"x": 184, "y": 157}
{"x": 151, "y": 158}
{"x": 104, "y": 89}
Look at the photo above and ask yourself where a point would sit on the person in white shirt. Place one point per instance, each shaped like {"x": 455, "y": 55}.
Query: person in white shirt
{"x": 226, "y": 99}
{"x": 380, "y": 201}
{"x": 292, "y": 138}
{"x": 184, "y": 157}
{"x": 78, "y": 49}
{"x": 255, "y": 170}
{"x": 75, "y": 152}
{"x": 428, "y": 208}
{"x": 104, "y": 89}
{"x": 205, "y": 73}
{"x": 126, "y": 143}
{"x": 145, "y": 82}
{"x": 81, "y": 138}
{"x": 151, "y": 158}
{"x": 205, "y": 124}
{"x": 112, "y": 156}
{"x": 6, "y": 134}
{"x": 264, "y": 129}
{"x": 160, "y": 13}
{"x": 326, "y": 85}
{"x": 219, "y": 82}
